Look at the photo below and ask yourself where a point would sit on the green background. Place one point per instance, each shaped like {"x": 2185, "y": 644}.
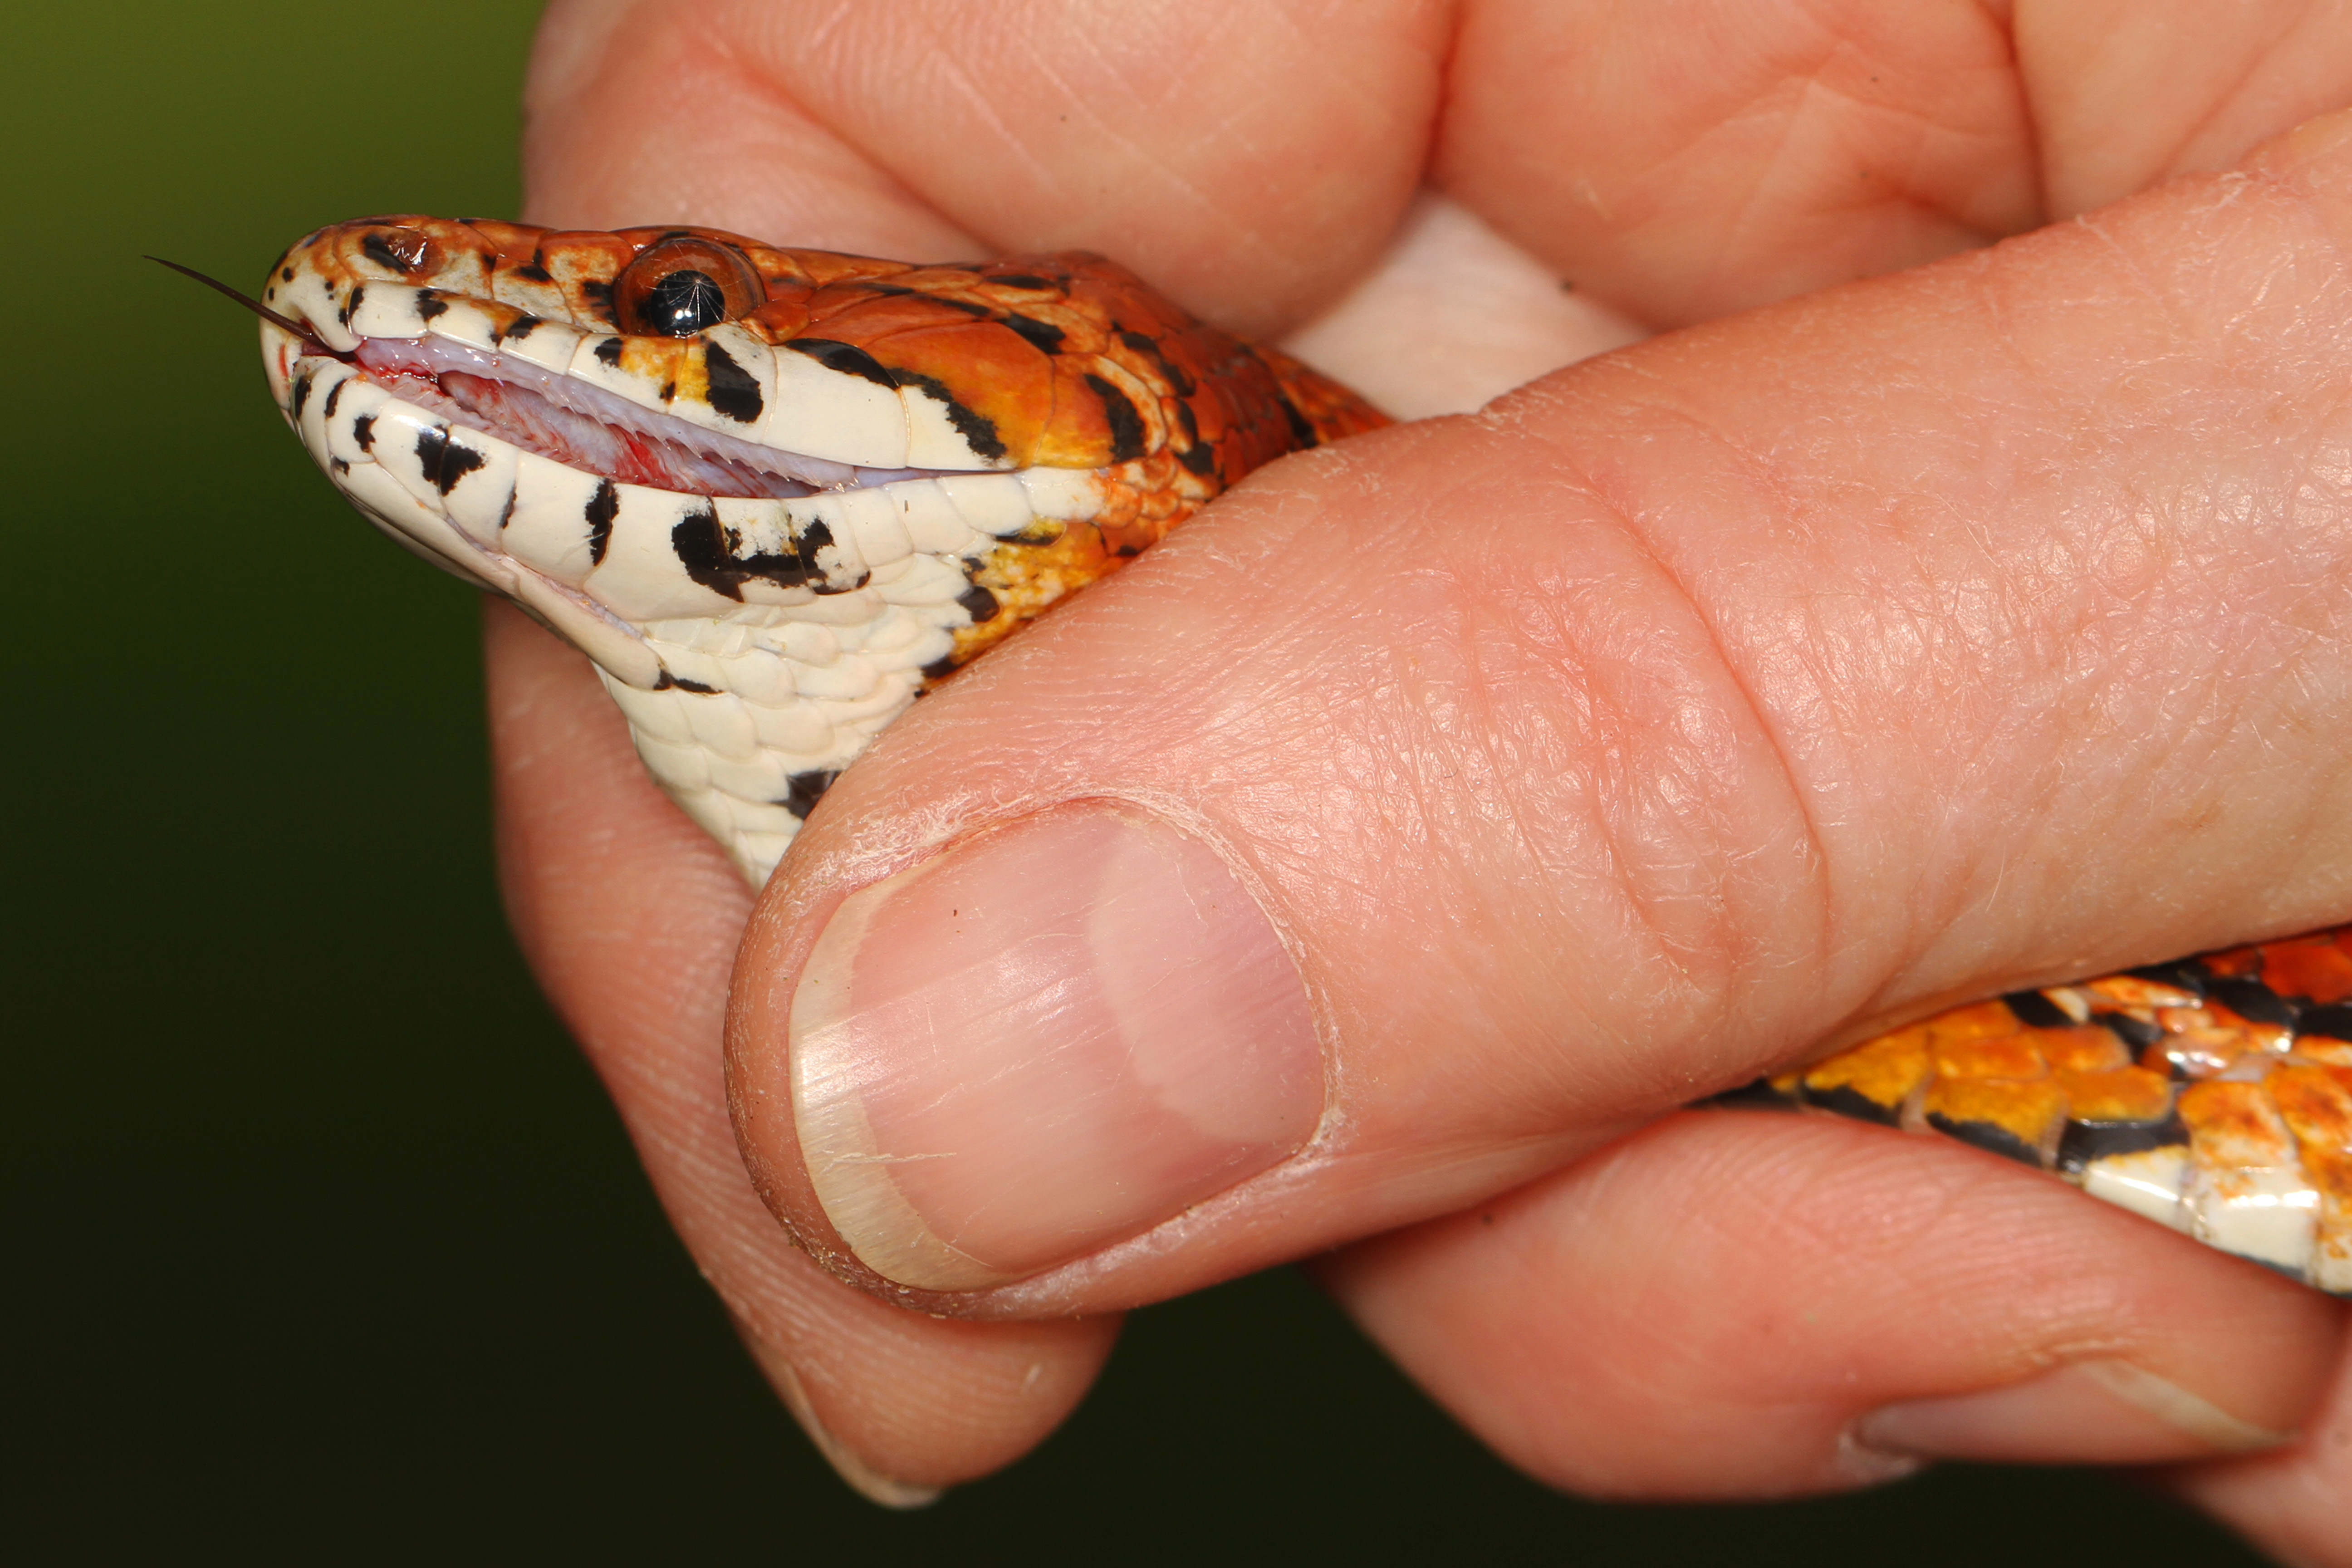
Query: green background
{"x": 322, "y": 1244}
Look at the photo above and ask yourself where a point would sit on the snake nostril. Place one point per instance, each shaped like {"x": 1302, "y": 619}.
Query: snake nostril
{"x": 684, "y": 285}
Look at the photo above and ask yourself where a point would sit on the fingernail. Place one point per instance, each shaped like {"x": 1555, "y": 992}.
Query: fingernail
{"x": 2090, "y": 1412}
{"x": 1048, "y": 1039}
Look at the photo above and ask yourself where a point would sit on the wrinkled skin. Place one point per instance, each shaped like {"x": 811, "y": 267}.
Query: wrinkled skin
{"x": 1732, "y": 695}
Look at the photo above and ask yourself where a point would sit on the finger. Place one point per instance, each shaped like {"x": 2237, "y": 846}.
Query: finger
{"x": 2221, "y": 83}
{"x": 1736, "y": 1305}
{"x": 1728, "y": 154}
{"x": 630, "y": 916}
{"x": 639, "y": 113}
{"x": 1478, "y": 788}
{"x": 1255, "y": 156}
{"x": 1688, "y": 160}
{"x": 2296, "y": 1503}
{"x": 1679, "y": 162}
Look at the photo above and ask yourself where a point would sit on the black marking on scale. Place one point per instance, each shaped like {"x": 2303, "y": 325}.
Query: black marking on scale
{"x": 534, "y": 272}
{"x": 302, "y": 390}
{"x": 1302, "y": 434}
{"x": 602, "y": 508}
{"x": 1990, "y": 1136}
{"x": 522, "y": 326}
{"x": 979, "y": 604}
{"x": 431, "y": 447}
{"x": 802, "y": 791}
{"x": 2251, "y": 1000}
{"x": 1849, "y": 1101}
{"x": 734, "y": 392}
{"x": 609, "y": 352}
{"x": 1042, "y": 336}
{"x": 2332, "y": 1021}
{"x": 674, "y": 682}
{"x": 1180, "y": 380}
{"x": 1017, "y": 279}
{"x": 815, "y": 537}
{"x": 847, "y": 358}
{"x": 428, "y": 307}
{"x": 363, "y": 432}
{"x": 979, "y": 432}
{"x": 2086, "y": 1142}
{"x": 444, "y": 461}
{"x": 2036, "y": 1011}
{"x": 706, "y": 549}
{"x": 1126, "y": 424}
{"x": 334, "y": 396}
{"x": 899, "y": 290}
{"x": 2187, "y": 975}
{"x": 359, "y": 290}
{"x": 376, "y": 248}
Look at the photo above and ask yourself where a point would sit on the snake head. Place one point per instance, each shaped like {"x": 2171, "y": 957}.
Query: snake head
{"x": 772, "y": 492}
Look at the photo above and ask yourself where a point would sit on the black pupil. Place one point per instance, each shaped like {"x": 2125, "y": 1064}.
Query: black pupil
{"x": 684, "y": 302}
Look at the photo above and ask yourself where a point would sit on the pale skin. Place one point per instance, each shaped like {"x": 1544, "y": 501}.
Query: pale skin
{"x": 1686, "y": 710}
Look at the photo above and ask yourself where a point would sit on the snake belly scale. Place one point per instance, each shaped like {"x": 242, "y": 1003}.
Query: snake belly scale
{"x": 775, "y": 493}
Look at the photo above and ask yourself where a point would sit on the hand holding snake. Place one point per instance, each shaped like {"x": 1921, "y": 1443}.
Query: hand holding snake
{"x": 1519, "y": 778}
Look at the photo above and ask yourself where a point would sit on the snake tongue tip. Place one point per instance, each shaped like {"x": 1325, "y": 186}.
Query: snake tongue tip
{"x": 247, "y": 301}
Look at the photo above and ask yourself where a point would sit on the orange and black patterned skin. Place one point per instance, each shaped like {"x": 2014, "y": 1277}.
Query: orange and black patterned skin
{"x": 2214, "y": 1094}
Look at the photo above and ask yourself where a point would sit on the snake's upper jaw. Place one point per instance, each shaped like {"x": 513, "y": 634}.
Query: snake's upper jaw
{"x": 824, "y": 406}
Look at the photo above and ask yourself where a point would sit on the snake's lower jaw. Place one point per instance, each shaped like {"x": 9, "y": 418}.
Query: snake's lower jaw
{"x": 750, "y": 675}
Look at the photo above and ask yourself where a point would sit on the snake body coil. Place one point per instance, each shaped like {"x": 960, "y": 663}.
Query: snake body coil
{"x": 772, "y": 493}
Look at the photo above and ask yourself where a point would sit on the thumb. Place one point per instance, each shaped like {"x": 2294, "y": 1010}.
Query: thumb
{"x": 1444, "y": 803}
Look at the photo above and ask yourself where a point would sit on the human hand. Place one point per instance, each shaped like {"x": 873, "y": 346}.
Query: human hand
{"x": 1749, "y": 690}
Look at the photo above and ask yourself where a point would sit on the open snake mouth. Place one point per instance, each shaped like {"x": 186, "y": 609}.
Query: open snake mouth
{"x": 773, "y": 493}
{"x": 586, "y": 427}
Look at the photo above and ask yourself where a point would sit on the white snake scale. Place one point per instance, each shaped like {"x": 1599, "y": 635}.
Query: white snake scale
{"x": 772, "y": 493}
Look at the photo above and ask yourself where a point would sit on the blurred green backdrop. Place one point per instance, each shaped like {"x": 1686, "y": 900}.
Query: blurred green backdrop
{"x": 322, "y": 1244}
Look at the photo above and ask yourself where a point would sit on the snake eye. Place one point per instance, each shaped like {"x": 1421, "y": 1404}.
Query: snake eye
{"x": 683, "y": 285}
